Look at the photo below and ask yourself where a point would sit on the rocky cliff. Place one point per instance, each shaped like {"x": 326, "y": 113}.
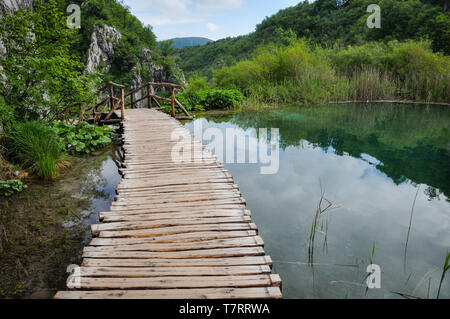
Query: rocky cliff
{"x": 10, "y": 6}
{"x": 156, "y": 72}
{"x": 104, "y": 40}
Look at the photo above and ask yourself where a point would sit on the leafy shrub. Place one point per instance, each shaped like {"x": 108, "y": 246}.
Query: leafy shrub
{"x": 36, "y": 146}
{"x": 303, "y": 73}
{"x": 8, "y": 188}
{"x": 207, "y": 99}
{"x": 83, "y": 138}
{"x": 220, "y": 98}
{"x": 42, "y": 63}
{"x": 277, "y": 74}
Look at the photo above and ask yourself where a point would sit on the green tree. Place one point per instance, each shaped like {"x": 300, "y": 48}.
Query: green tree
{"x": 166, "y": 48}
{"x": 41, "y": 78}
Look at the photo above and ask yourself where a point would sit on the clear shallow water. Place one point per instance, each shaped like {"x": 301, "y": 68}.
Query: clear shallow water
{"x": 370, "y": 161}
{"x": 93, "y": 181}
{"x": 49, "y": 223}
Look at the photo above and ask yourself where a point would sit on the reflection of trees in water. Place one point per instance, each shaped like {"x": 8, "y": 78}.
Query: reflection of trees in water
{"x": 432, "y": 193}
{"x": 410, "y": 140}
{"x": 87, "y": 178}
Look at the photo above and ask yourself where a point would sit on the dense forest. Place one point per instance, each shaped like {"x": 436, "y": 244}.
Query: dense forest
{"x": 329, "y": 23}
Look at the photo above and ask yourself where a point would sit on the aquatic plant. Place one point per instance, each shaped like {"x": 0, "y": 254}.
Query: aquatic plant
{"x": 444, "y": 271}
{"x": 409, "y": 228}
{"x": 82, "y": 138}
{"x": 317, "y": 217}
{"x": 9, "y": 187}
{"x": 34, "y": 145}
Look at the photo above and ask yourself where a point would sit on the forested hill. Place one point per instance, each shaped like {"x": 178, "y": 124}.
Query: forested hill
{"x": 327, "y": 22}
{"x": 180, "y": 43}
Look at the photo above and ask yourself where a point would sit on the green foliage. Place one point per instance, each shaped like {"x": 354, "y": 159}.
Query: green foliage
{"x": 326, "y": 22}
{"x": 199, "y": 96}
{"x": 277, "y": 74}
{"x": 190, "y": 97}
{"x": 305, "y": 73}
{"x": 130, "y": 50}
{"x": 220, "y": 98}
{"x": 42, "y": 79}
{"x": 36, "y": 146}
{"x": 166, "y": 48}
{"x": 113, "y": 13}
{"x": 83, "y": 138}
{"x": 397, "y": 69}
{"x": 9, "y": 187}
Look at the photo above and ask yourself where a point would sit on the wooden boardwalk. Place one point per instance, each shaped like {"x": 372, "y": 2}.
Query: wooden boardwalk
{"x": 176, "y": 230}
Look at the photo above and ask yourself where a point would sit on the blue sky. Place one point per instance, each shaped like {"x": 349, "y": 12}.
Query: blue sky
{"x": 214, "y": 19}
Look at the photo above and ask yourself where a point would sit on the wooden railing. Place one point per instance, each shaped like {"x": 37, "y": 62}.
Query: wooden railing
{"x": 153, "y": 98}
{"x": 103, "y": 111}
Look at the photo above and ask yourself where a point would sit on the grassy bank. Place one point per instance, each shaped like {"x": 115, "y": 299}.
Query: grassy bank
{"x": 309, "y": 74}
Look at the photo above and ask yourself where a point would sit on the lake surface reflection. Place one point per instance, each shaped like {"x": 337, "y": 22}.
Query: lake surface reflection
{"x": 373, "y": 163}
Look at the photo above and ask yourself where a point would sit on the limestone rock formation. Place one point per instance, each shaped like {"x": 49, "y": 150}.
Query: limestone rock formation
{"x": 104, "y": 40}
{"x": 10, "y": 6}
{"x": 157, "y": 74}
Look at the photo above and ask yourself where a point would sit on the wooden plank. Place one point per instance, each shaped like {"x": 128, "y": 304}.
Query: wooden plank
{"x": 173, "y": 282}
{"x": 206, "y": 244}
{"x": 188, "y": 200}
{"x": 202, "y": 253}
{"x": 187, "y": 237}
{"x": 208, "y": 203}
{"x": 110, "y": 217}
{"x": 206, "y": 293}
{"x": 191, "y": 262}
{"x": 97, "y": 228}
{"x": 177, "y": 230}
{"x": 191, "y": 193}
{"x": 177, "y": 209}
{"x": 176, "y": 188}
{"x": 144, "y": 272}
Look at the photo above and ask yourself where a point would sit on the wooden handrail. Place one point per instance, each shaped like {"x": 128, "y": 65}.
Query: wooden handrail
{"x": 120, "y": 86}
{"x": 113, "y": 102}
{"x": 153, "y": 97}
{"x": 170, "y": 85}
{"x": 102, "y": 114}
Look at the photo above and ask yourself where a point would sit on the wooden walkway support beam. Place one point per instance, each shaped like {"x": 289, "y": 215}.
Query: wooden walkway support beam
{"x": 175, "y": 230}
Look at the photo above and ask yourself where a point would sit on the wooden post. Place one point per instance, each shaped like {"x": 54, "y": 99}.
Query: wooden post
{"x": 123, "y": 103}
{"x": 111, "y": 95}
{"x": 149, "y": 101}
{"x": 173, "y": 101}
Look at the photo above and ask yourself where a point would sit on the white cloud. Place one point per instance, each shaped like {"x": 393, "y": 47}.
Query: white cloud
{"x": 170, "y": 12}
{"x": 212, "y": 27}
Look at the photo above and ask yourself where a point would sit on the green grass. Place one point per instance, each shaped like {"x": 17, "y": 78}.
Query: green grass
{"x": 35, "y": 146}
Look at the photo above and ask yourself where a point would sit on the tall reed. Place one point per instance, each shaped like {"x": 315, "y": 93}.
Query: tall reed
{"x": 307, "y": 74}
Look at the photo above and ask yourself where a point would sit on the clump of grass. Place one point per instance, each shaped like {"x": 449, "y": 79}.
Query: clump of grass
{"x": 320, "y": 211}
{"x": 35, "y": 146}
